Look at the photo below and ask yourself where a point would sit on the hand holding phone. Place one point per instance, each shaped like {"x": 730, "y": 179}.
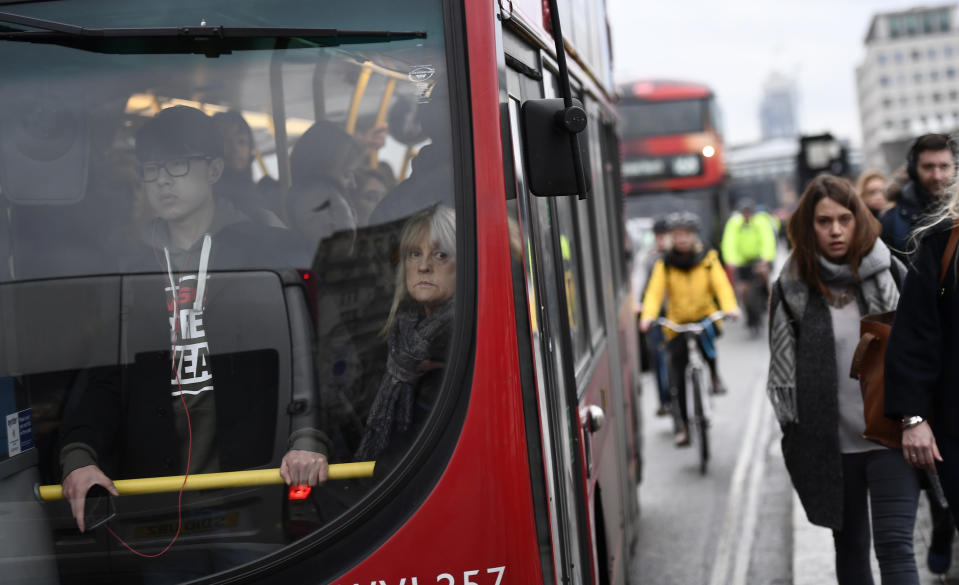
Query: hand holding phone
{"x": 99, "y": 507}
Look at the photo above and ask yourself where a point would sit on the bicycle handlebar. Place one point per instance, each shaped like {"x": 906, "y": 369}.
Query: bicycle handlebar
{"x": 696, "y": 327}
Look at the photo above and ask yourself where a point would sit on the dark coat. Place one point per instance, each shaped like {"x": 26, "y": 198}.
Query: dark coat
{"x": 922, "y": 372}
{"x": 899, "y": 221}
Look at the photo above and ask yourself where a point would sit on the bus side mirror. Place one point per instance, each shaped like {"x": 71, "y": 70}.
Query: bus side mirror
{"x": 548, "y": 129}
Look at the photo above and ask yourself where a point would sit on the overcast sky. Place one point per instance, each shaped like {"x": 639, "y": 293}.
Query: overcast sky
{"x": 734, "y": 45}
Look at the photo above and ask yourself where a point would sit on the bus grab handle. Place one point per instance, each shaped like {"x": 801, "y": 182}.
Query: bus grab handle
{"x": 209, "y": 481}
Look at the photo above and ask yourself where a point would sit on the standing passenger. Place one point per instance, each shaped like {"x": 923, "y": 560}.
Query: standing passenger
{"x": 838, "y": 271}
{"x": 417, "y": 331}
{"x": 212, "y": 412}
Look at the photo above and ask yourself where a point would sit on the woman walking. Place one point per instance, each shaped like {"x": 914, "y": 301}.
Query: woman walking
{"x": 838, "y": 271}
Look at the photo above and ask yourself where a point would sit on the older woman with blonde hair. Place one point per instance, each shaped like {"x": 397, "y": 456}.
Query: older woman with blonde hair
{"x": 417, "y": 331}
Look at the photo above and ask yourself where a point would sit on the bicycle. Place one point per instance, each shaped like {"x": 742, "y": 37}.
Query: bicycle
{"x": 697, "y": 379}
{"x": 754, "y": 290}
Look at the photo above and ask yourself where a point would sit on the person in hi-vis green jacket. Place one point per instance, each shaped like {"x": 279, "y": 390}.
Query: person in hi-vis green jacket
{"x": 749, "y": 247}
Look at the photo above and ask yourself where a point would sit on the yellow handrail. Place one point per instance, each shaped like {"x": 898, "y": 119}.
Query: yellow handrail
{"x": 210, "y": 481}
{"x": 358, "y": 92}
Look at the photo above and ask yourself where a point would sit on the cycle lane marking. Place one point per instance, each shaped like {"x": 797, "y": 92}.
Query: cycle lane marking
{"x": 746, "y": 457}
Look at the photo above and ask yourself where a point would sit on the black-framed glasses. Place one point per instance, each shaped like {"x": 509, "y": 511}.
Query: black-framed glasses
{"x": 175, "y": 167}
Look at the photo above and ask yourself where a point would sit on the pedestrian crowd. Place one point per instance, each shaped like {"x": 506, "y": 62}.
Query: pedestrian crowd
{"x": 879, "y": 250}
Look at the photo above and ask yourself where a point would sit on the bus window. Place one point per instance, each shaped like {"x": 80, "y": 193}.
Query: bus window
{"x": 658, "y": 118}
{"x": 573, "y": 277}
{"x": 225, "y": 256}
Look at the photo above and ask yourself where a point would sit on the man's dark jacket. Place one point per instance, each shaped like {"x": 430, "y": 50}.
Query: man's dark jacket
{"x": 897, "y": 223}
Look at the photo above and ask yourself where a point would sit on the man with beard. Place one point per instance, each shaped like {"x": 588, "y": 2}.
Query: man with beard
{"x": 931, "y": 166}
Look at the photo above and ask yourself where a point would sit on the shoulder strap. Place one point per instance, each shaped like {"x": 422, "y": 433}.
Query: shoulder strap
{"x": 948, "y": 254}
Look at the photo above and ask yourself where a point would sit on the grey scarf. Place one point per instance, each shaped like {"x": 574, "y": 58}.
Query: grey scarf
{"x": 879, "y": 293}
{"x": 414, "y": 343}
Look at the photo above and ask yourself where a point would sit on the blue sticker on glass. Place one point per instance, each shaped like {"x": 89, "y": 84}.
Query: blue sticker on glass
{"x": 19, "y": 432}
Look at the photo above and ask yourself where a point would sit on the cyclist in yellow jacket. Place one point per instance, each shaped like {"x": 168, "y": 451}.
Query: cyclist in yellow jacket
{"x": 693, "y": 280}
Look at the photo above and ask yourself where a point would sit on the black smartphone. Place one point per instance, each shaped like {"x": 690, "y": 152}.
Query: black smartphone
{"x": 99, "y": 507}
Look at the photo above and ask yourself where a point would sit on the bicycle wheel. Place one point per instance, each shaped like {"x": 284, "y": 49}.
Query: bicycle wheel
{"x": 701, "y": 422}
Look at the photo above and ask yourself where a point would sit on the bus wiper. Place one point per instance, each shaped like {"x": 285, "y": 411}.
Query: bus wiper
{"x": 211, "y": 41}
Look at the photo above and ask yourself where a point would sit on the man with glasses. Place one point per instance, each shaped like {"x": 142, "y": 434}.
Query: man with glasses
{"x": 209, "y": 407}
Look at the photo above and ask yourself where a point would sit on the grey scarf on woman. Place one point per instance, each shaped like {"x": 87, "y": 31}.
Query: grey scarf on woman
{"x": 879, "y": 293}
{"x": 413, "y": 344}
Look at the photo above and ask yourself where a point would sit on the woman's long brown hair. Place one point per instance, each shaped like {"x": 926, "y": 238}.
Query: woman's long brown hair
{"x": 802, "y": 231}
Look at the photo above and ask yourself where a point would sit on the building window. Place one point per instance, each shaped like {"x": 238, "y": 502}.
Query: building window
{"x": 898, "y": 57}
{"x": 916, "y": 54}
{"x": 947, "y": 51}
{"x": 934, "y": 76}
{"x": 954, "y": 95}
{"x": 887, "y": 103}
{"x": 937, "y": 97}
{"x": 951, "y": 72}
{"x": 944, "y": 20}
{"x": 894, "y": 27}
{"x": 889, "y": 124}
{"x": 884, "y": 81}
{"x": 912, "y": 24}
{"x": 929, "y": 22}
{"x": 903, "y": 100}
{"x": 901, "y": 78}
{"x": 917, "y": 77}
{"x": 906, "y": 124}
{"x": 920, "y": 99}
{"x": 931, "y": 52}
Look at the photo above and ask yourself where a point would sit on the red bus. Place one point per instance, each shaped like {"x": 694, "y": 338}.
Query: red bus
{"x": 382, "y": 288}
{"x": 673, "y": 155}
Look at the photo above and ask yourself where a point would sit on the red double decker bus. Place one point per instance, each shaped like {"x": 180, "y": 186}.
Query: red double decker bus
{"x": 382, "y": 288}
{"x": 672, "y": 148}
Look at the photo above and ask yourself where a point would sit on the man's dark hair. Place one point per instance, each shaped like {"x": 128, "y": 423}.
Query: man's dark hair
{"x": 178, "y": 131}
{"x": 924, "y": 143}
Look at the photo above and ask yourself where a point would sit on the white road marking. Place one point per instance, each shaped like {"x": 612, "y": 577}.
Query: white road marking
{"x": 748, "y": 450}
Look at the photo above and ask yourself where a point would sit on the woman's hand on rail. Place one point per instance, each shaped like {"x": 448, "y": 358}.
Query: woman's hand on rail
{"x": 301, "y": 467}
{"x": 78, "y": 482}
{"x": 919, "y": 447}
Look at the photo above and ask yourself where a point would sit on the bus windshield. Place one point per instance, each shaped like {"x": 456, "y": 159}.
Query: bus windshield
{"x": 662, "y": 118}
{"x": 225, "y": 250}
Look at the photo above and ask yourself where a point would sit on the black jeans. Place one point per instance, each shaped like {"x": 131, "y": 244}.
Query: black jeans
{"x": 949, "y": 470}
{"x": 678, "y": 358}
{"x": 893, "y": 489}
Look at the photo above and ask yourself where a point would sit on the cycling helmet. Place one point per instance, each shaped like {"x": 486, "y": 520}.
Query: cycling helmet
{"x": 746, "y": 204}
{"x": 684, "y": 220}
